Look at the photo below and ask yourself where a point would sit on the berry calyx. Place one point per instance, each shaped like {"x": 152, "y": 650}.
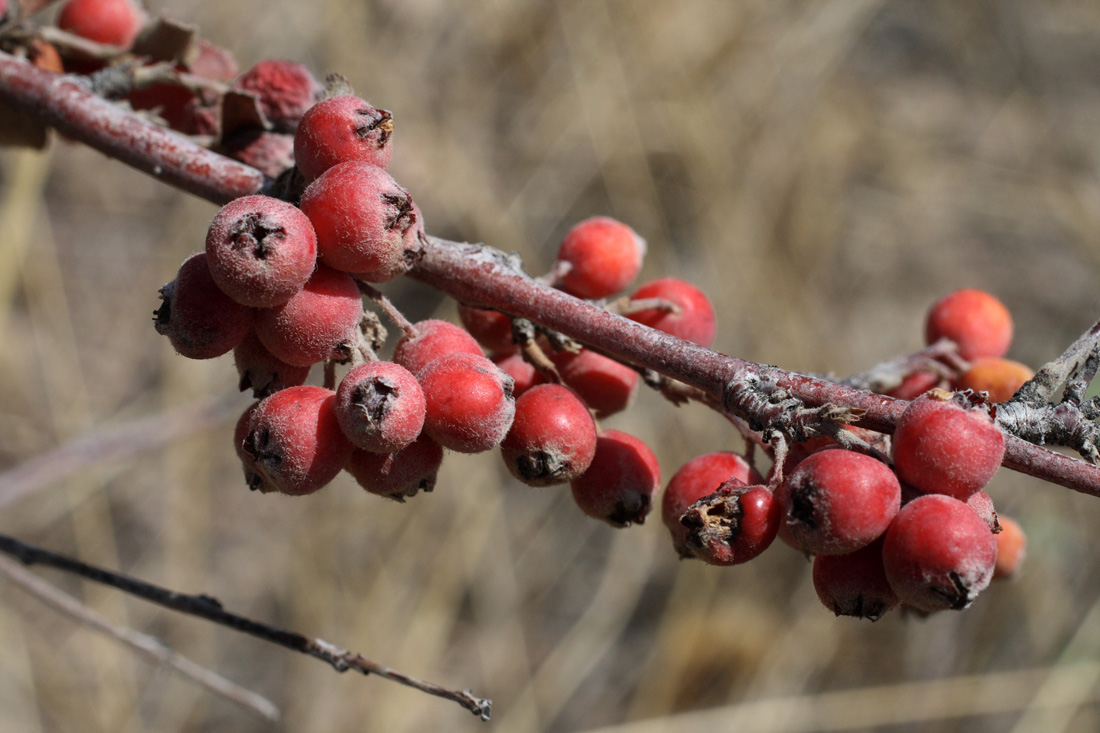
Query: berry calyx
{"x": 552, "y": 439}
{"x": 942, "y": 446}
{"x": 365, "y": 222}
{"x": 938, "y": 554}
{"x": 603, "y": 256}
{"x": 733, "y": 525}
{"x": 340, "y": 129}
{"x": 975, "y": 320}
{"x": 469, "y": 403}
{"x": 619, "y": 485}
{"x": 200, "y": 320}
{"x": 380, "y": 407}
{"x": 294, "y": 441}
{"x": 260, "y": 250}
{"x": 699, "y": 477}
{"x": 693, "y": 320}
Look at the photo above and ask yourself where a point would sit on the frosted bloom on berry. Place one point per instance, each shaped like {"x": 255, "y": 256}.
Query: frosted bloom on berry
{"x": 434, "y": 338}
{"x": 694, "y": 320}
{"x": 340, "y": 129}
{"x": 469, "y": 402}
{"x": 380, "y": 407}
{"x": 398, "y": 475}
{"x": 199, "y": 319}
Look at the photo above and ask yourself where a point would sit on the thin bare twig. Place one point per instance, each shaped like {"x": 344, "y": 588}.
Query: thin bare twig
{"x": 211, "y": 609}
{"x": 143, "y": 644}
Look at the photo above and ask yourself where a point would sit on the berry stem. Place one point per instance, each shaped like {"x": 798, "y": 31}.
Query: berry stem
{"x": 387, "y": 306}
{"x": 211, "y": 609}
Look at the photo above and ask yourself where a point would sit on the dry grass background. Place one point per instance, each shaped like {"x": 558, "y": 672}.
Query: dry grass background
{"x": 822, "y": 170}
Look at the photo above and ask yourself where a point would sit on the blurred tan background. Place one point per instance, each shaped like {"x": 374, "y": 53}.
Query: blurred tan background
{"x": 823, "y": 170}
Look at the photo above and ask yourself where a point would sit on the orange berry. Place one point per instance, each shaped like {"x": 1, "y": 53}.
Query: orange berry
{"x": 999, "y": 377}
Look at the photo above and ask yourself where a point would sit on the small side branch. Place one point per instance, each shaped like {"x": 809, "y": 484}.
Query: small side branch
{"x": 211, "y": 609}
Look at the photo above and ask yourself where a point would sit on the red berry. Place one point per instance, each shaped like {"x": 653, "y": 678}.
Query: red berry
{"x": 695, "y": 320}
{"x": 433, "y": 339}
{"x": 855, "y": 584}
{"x": 340, "y": 129}
{"x": 999, "y": 378}
{"x": 469, "y": 402}
{"x": 285, "y": 91}
{"x": 380, "y": 407}
{"x": 365, "y": 222}
{"x": 552, "y": 439}
{"x": 619, "y": 485}
{"x": 604, "y": 384}
{"x": 697, "y": 478}
{"x": 261, "y": 371}
{"x": 295, "y": 441}
{"x": 605, "y": 256}
{"x": 1011, "y": 549}
{"x": 913, "y": 385}
{"x": 938, "y": 554}
{"x": 240, "y": 434}
{"x": 115, "y": 22}
{"x": 733, "y": 525}
{"x": 491, "y": 329}
{"x": 837, "y": 501}
{"x": 260, "y": 250}
{"x": 319, "y": 323}
{"x": 976, "y": 321}
{"x": 270, "y": 152}
{"x": 401, "y": 474}
{"x": 982, "y": 504}
{"x": 942, "y": 447}
{"x": 199, "y": 319}
{"x": 521, "y": 371}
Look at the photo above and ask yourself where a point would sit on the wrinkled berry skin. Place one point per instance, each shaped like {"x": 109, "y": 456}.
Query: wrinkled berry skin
{"x": 938, "y": 554}
{"x": 295, "y": 442}
{"x": 837, "y": 501}
{"x": 733, "y": 525}
{"x": 552, "y": 439}
{"x": 199, "y": 319}
{"x": 340, "y": 129}
{"x": 285, "y": 90}
{"x": 469, "y": 402}
{"x": 942, "y": 447}
{"x": 365, "y": 222}
{"x": 695, "y": 322}
{"x": 434, "y": 338}
{"x": 260, "y": 250}
{"x": 398, "y": 475}
{"x": 605, "y": 256}
{"x": 380, "y": 407}
{"x": 619, "y": 485}
{"x": 975, "y": 320}
{"x": 319, "y": 323}
{"x": 854, "y": 584}
{"x": 697, "y": 478}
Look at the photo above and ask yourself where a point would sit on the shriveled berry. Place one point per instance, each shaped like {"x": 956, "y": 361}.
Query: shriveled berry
{"x": 938, "y": 554}
{"x": 604, "y": 384}
{"x": 365, "y": 222}
{"x": 199, "y": 319}
{"x": 1000, "y": 378}
{"x": 552, "y": 439}
{"x": 693, "y": 319}
{"x": 521, "y": 371}
{"x": 380, "y": 407}
{"x": 942, "y": 446}
{"x": 434, "y": 338}
{"x": 261, "y": 371}
{"x": 975, "y": 320}
{"x": 697, "y": 478}
{"x": 837, "y": 501}
{"x": 733, "y": 525}
{"x": 295, "y": 441}
{"x": 114, "y": 22}
{"x": 492, "y": 329}
{"x": 1011, "y": 549}
{"x": 260, "y": 250}
{"x": 319, "y": 323}
{"x": 401, "y": 474}
{"x": 604, "y": 256}
{"x": 469, "y": 402}
{"x": 340, "y": 129}
{"x": 619, "y": 485}
{"x": 285, "y": 91}
{"x": 855, "y": 584}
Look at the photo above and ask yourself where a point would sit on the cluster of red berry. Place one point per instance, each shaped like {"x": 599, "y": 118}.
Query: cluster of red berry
{"x": 916, "y": 529}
